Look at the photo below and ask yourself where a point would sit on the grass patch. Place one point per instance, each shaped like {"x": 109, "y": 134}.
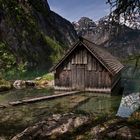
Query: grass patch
{"x": 28, "y": 75}
{"x": 45, "y": 79}
{"x": 4, "y": 85}
{"x": 48, "y": 76}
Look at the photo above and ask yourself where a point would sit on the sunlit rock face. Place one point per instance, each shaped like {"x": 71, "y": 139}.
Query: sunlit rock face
{"x": 121, "y": 40}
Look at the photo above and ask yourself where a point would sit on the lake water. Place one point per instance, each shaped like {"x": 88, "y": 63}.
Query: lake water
{"x": 130, "y": 101}
{"x": 13, "y": 120}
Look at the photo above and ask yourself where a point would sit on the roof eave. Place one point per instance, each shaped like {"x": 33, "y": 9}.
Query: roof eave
{"x": 65, "y": 56}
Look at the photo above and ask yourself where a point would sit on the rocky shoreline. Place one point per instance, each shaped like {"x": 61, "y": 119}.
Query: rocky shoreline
{"x": 39, "y": 82}
{"x": 5, "y": 85}
{"x": 53, "y": 127}
{"x": 68, "y": 126}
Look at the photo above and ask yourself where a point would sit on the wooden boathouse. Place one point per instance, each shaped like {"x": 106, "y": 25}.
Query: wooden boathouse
{"x": 87, "y": 67}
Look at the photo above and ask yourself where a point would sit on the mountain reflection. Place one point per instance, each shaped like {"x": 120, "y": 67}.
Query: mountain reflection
{"x": 131, "y": 96}
{"x": 129, "y": 104}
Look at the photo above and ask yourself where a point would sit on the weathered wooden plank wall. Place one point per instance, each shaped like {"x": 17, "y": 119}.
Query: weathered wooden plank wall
{"x": 83, "y": 70}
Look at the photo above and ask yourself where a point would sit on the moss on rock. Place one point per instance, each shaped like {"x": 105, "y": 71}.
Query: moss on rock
{"x": 45, "y": 81}
{"x": 4, "y": 85}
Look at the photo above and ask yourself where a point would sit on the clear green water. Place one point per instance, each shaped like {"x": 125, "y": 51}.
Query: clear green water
{"x": 13, "y": 120}
{"x": 20, "y": 94}
{"x": 101, "y": 105}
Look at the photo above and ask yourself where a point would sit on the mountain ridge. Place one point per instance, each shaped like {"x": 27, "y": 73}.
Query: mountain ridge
{"x": 33, "y": 33}
{"x": 120, "y": 40}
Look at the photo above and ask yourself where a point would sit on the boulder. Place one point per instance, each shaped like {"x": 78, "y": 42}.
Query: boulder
{"x": 51, "y": 83}
{"x": 5, "y": 85}
{"x": 30, "y": 83}
{"x": 125, "y": 133}
{"x": 19, "y": 84}
{"x": 38, "y": 78}
{"x": 54, "y": 126}
{"x": 44, "y": 82}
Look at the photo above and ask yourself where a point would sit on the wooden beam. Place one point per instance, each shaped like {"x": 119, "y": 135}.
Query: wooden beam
{"x": 33, "y": 100}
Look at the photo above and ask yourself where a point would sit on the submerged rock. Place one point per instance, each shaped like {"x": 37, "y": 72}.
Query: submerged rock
{"x": 135, "y": 116}
{"x": 54, "y": 126}
{"x": 125, "y": 133}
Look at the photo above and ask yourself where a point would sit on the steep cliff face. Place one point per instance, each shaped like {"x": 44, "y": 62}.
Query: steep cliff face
{"x": 34, "y": 33}
{"x": 120, "y": 40}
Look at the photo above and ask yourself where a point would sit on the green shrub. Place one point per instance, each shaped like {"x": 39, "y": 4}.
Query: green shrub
{"x": 56, "y": 49}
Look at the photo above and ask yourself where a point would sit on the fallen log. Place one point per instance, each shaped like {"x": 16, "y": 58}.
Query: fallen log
{"x": 42, "y": 98}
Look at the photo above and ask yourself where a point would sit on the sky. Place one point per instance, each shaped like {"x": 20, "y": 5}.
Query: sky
{"x": 73, "y": 10}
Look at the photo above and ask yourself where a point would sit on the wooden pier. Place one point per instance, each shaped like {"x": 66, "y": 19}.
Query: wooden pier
{"x": 33, "y": 100}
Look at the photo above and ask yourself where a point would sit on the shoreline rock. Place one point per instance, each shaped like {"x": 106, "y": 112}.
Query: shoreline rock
{"x": 19, "y": 84}
{"x": 54, "y": 126}
{"x": 5, "y": 85}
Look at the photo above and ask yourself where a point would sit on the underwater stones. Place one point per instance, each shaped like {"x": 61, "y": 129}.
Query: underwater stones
{"x": 135, "y": 116}
{"x": 54, "y": 126}
{"x": 125, "y": 133}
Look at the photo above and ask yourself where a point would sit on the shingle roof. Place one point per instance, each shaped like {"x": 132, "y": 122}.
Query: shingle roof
{"x": 110, "y": 62}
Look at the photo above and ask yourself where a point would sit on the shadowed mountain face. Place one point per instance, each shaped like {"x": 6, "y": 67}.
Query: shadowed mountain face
{"x": 120, "y": 40}
{"x": 34, "y": 33}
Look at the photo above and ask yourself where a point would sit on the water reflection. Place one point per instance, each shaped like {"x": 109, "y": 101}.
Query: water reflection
{"x": 131, "y": 80}
{"x": 20, "y": 94}
{"x": 131, "y": 96}
{"x": 129, "y": 104}
{"x": 101, "y": 105}
{"x": 130, "y": 100}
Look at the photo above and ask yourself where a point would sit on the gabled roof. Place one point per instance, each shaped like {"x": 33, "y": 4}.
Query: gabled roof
{"x": 106, "y": 59}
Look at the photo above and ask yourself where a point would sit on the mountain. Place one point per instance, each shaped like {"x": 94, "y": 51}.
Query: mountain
{"x": 121, "y": 40}
{"x": 134, "y": 23}
{"x": 33, "y": 33}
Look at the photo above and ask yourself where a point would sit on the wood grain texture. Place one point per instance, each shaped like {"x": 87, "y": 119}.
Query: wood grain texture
{"x": 82, "y": 70}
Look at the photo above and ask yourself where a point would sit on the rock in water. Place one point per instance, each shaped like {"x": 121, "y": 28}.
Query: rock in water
{"x": 30, "y": 83}
{"x": 55, "y": 126}
{"x": 5, "y": 85}
{"x": 18, "y": 84}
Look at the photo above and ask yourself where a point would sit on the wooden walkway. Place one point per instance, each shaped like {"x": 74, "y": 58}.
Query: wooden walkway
{"x": 33, "y": 100}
